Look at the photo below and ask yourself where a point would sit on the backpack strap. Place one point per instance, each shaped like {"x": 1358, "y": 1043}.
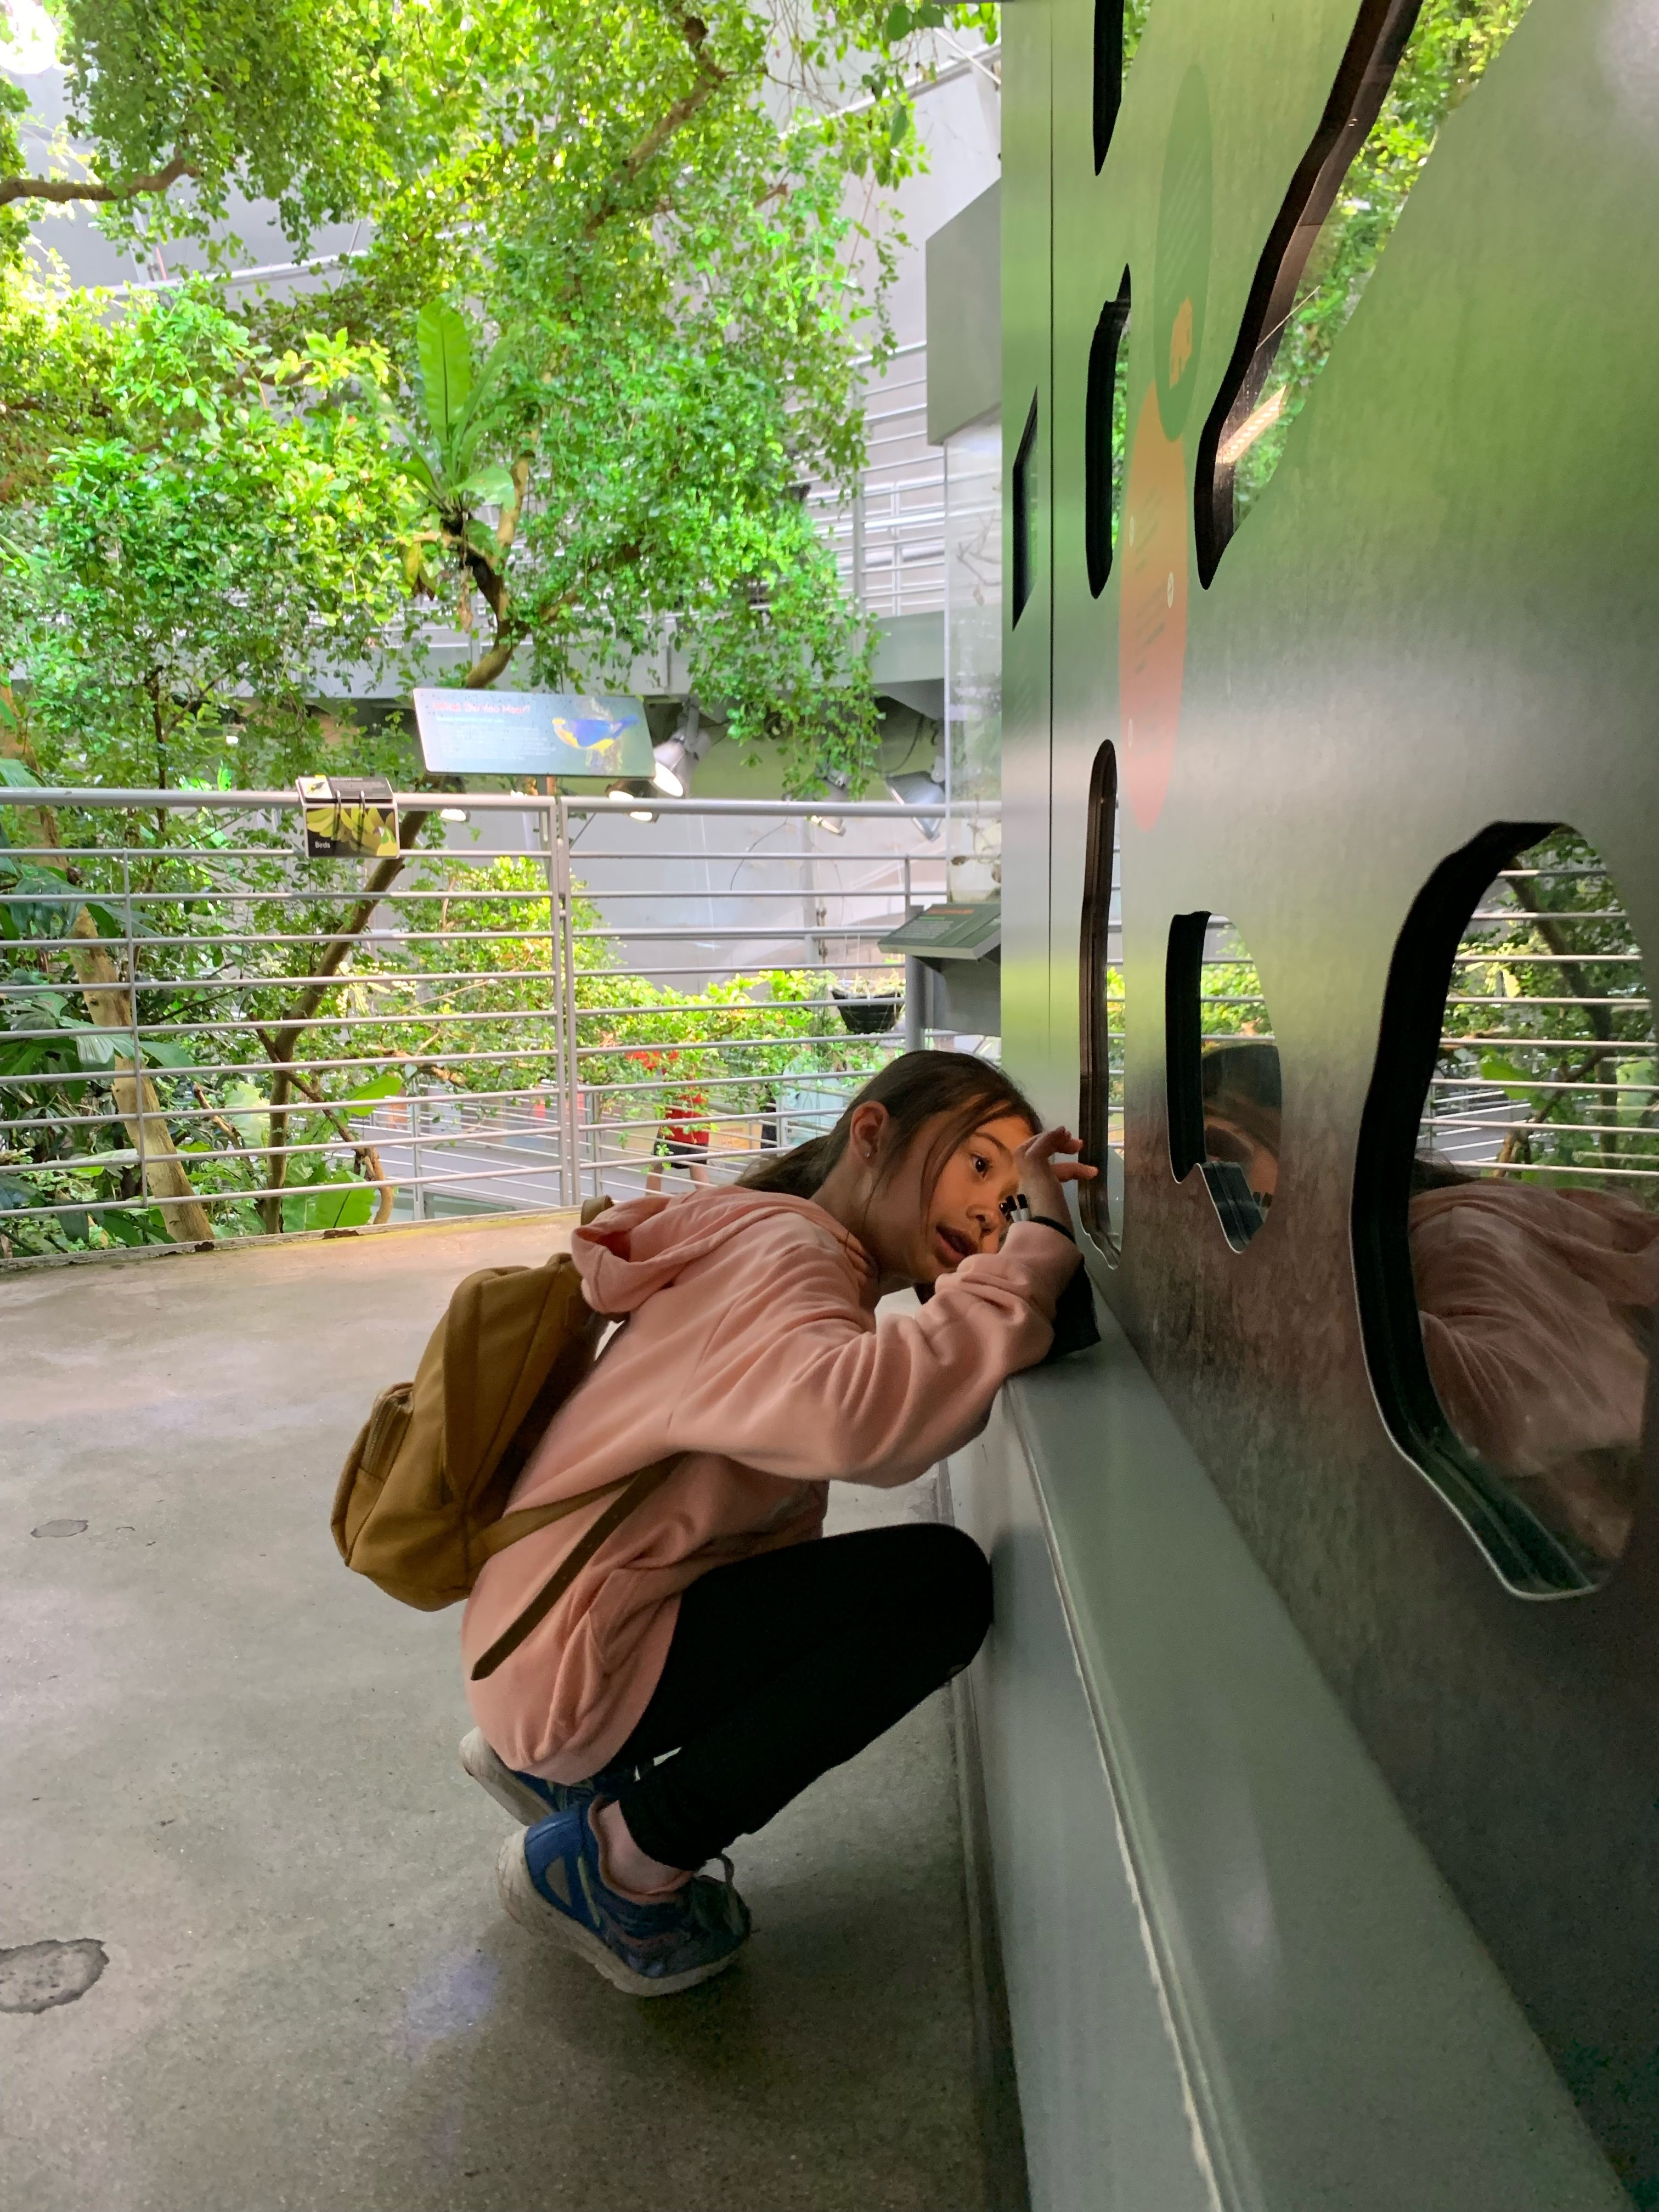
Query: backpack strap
{"x": 626, "y": 1494}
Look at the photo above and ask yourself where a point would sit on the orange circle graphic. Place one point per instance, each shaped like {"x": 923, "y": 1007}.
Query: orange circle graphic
{"x": 1152, "y": 612}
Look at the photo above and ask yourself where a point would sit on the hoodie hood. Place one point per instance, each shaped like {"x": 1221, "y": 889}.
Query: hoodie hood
{"x": 631, "y": 1250}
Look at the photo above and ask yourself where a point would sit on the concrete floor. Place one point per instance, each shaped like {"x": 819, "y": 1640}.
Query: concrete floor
{"x": 232, "y": 1765}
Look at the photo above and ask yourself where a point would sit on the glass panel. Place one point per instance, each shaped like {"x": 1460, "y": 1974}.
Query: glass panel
{"x": 1021, "y": 494}
{"x": 1222, "y": 1071}
{"x": 1102, "y": 974}
{"x": 1240, "y": 1084}
{"x": 1105, "y": 436}
{"x": 1118, "y": 27}
{"x": 1534, "y": 1206}
{"x": 973, "y": 659}
{"x": 1326, "y": 243}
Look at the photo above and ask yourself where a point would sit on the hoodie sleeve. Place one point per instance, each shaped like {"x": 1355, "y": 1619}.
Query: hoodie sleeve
{"x": 797, "y": 1379}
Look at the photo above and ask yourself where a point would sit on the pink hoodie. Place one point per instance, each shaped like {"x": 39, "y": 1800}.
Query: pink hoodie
{"x": 752, "y": 1347}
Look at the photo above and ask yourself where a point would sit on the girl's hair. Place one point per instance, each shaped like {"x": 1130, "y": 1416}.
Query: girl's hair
{"x": 1242, "y": 1084}
{"x": 917, "y": 1088}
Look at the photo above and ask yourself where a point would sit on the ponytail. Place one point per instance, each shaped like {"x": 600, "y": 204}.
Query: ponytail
{"x": 916, "y": 1088}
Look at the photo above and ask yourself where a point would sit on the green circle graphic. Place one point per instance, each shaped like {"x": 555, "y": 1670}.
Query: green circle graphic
{"x": 1181, "y": 275}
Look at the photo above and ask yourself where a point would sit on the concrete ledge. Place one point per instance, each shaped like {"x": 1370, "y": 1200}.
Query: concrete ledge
{"x": 559, "y": 1220}
{"x": 1344, "y": 2039}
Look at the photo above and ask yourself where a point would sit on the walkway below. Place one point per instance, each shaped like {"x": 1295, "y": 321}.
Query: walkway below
{"x": 232, "y": 1764}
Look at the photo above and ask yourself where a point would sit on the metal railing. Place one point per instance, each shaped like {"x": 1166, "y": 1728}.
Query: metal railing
{"x": 204, "y": 1033}
{"x": 1545, "y": 1070}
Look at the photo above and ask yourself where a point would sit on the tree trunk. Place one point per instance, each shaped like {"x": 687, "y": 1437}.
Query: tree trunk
{"x": 109, "y": 1001}
{"x": 279, "y": 1043}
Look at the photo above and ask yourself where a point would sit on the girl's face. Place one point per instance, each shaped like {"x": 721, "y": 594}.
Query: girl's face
{"x": 914, "y": 1236}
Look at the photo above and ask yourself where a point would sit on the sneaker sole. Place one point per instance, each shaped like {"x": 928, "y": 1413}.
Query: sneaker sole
{"x": 523, "y": 1902}
{"x": 497, "y": 1780}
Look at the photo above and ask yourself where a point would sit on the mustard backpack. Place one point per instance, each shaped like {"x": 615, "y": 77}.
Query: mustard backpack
{"x": 422, "y": 1499}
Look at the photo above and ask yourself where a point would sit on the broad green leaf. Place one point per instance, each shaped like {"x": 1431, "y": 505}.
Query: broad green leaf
{"x": 246, "y": 1104}
{"x": 95, "y": 1048}
{"x": 167, "y": 1051}
{"x": 444, "y": 349}
{"x": 421, "y": 473}
{"x": 14, "y": 773}
{"x": 484, "y": 541}
{"x": 493, "y": 483}
{"x": 340, "y": 1205}
{"x": 1499, "y": 1067}
{"x": 363, "y": 1099}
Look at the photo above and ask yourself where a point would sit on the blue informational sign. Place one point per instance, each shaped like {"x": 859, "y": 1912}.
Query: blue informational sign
{"x": 533, "y": 733}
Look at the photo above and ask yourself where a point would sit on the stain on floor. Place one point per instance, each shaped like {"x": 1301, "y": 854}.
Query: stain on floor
{"x": 34, "y": 1976}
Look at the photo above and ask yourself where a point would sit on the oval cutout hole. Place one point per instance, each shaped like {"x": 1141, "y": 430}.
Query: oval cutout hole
{"x": 1506, "y": 1204}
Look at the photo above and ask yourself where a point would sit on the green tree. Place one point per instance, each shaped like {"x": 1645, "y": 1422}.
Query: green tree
{"x": 182, "y": 102}
{"x": 228, "y": 522}
{"x": 643, "y": 209}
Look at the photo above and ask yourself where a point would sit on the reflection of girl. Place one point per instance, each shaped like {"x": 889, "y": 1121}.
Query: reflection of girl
{"x": 707, "y": 1623}
{"x": 1242, "y": 1110}
{"x": 1537, "y": 1307}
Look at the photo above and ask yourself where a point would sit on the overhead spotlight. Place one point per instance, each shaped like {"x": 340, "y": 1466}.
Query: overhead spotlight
{"x": 914, "y": 789}
{"x": 625, "y": 791}
{"x": 828, "y": 822}
{"x": 669, "y": 773}
{"x": 453, "y": 814}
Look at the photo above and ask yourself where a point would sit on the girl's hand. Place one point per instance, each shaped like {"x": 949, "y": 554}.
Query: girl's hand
{"x": 1041, "y": 1171}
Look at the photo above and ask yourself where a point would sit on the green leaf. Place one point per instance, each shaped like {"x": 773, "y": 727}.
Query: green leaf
{"x": 897, "y": 24}
{"x": 341, "y": 1206}
{"x": 493, "y": 483}
{"x": 363, "y": 1099}
{"x": 246, "y": 1104}
{"x": 1499, "y": 1067}
{"x": 14, "y": 773}
{"x": 421, "y": 474}
{"x": 484, "y": 543}
{"x": 166, "y": 1052}
{"x": 444, "y": 350}
{"x": 95, "y": 1048}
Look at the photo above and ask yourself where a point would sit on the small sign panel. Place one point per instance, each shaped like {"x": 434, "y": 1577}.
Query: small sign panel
{"x": 950, "y": 933}
{"x": 533, "y": 733}
{"x": 348, "y": 817}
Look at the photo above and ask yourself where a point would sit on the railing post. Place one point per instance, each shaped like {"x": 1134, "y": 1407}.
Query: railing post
{"x": 418, "y": 1186}
{"x": 570, "y": 1169}
{"x": 550, "y": 836}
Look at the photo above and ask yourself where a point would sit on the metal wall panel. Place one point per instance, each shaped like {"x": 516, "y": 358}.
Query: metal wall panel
{"x": 1026, "y": 349}
{"x": 1440, "y": 614}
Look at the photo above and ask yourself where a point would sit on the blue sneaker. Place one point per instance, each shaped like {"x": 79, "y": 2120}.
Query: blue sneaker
{"x": 549, "y": 1882}
{"x": 525, "y": 1796}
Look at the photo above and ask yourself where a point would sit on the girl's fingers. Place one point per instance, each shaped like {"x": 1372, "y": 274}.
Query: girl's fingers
{"x": 1047, "y": 1142}
{"x": 1072, "y": 1171}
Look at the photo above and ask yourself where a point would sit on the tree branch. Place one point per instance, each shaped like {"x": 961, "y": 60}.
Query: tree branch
{"x": 280, "y": 1043}
{"x": 64, "y": 191}
{"x": 1573, "y": 973}
{"x": 710, "y": 77}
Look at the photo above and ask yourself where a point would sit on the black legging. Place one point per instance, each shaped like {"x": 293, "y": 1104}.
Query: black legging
{"x": 783, "y": 1665}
